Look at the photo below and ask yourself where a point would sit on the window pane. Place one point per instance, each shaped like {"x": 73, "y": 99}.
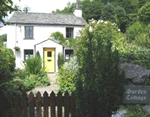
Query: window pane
{"x": 31, "y": 31}
{"x": 27, "y": 32}
{"x": 28, "y": 54}
{"x": 49, "y": 54}
{"x": 69, "y": 32}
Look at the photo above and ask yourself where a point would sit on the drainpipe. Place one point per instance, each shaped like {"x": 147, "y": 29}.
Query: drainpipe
{"x": 15, "y": 34}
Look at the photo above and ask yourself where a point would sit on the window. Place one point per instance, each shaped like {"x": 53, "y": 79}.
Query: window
{"x": 69, "y": 32}
{"x": 28, "y": 54}
{"x": 28, "y": 31}
{"x": 49, "y": 54}
{"x": 68, "y": 54}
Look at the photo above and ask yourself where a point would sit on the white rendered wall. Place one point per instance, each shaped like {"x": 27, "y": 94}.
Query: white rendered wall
{"x": 16, "y": 33}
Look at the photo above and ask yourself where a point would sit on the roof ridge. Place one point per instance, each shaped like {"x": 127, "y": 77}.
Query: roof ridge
{"x": 45, "y": 13}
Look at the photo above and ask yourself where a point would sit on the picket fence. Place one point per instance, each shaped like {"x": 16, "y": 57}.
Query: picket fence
{"x": 42, "y": 106}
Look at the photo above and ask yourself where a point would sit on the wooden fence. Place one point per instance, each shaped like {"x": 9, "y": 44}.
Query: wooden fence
{"x": 42, "y": 106}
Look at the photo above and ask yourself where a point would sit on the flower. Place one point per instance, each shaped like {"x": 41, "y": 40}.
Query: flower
{"x": 98, "y": 21}
{"x": 101, "y": 21}
{"x": 92, "y": 19}
{"x": 113, "y": 23}
{"x": 90, "y": 29}
{"x": 105, "y": 22}
{"x": 119, "y": 30}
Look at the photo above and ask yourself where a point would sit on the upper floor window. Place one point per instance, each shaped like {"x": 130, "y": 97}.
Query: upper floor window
{"x": 28, "y": 31}
{"x": 69, "y": 32}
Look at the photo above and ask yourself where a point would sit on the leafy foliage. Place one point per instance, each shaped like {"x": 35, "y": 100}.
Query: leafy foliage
{"x": 99, "y": 76}
{"x": 67, "y": 75}
{"x": 91, "y": 9}
{"x": 115, "y": 14}
{"x": 3, "y": 37}
{"x": 68, "y": 9}
{"x": 135, "y": 111}
{"x": 40, "y": 79}
{"x": 144, "y": 13}
{"x": 7, "y": 62}
{"x": 108, "y": 12}
{"x": 33, "y": 65}
{"x": 60, "y": 60}
{"x": 58, "y": 36}
{"x": 17, "y": 48}
{"x": 5, "y": 7}
{"x": 133, "y": 30}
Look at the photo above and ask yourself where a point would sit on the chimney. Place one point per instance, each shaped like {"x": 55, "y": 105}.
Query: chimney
{"x": 77, "y": 11}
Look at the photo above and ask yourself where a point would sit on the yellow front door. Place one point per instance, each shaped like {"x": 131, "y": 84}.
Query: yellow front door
{"x": 49, "y": 59}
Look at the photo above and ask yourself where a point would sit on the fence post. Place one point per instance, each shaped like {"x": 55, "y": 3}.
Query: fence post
{"x": 72, "y": 104}
{"x": 17, "y": 106}
{"x": 52, "y": 103}
{"x": 59, "y": 104}
{"x": 9, "y": 99}
{"x": 38, "y": 104}
{"x": 66, "y": 104}
{"x": 45, "y": 104}
{"x": 24, "y": 105}
{"x": 31, "y": 105}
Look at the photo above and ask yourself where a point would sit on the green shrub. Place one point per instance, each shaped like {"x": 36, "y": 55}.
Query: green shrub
{"x": 7, "y": 63}
{"x": 144, "y": 13}
{"x": 3, "y": 37}
{"x": 33, "y": 65}
{"x": 58, "y": 36}
{"x": 38, "y": 54}
{"x": 67, "y": 75}
{"x": 15, "y": 86}
{"x": 40, "y": 79}
{"x": 99, "y": 79}
{"x": 134, "y": 30}
{"x": 135, "y": 111}
{"x": 60, "y": 60}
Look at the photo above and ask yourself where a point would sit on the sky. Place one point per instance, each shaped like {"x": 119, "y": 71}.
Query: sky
{"x": 42, "y": 6}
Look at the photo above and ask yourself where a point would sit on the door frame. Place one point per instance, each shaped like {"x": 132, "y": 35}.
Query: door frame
{"x": 54, "y": 58}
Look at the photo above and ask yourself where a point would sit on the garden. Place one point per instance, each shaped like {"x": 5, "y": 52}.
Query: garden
{"x": 17, "y": 81}
{"x": 98, "y": 51}
{"x": 93, "y": 72}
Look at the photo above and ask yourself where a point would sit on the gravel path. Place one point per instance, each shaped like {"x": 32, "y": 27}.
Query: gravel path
{"x": 53, "y": 86}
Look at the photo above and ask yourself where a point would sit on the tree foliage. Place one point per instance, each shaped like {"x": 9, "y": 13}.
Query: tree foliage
{"x": 5, "y": 7}
{"x": 100, "y": 80}
{"x": 68, "y": 9}
{"x": 58, "y": 36}
{"x": 91, "y": 9}
{"x": 144, "y": 13}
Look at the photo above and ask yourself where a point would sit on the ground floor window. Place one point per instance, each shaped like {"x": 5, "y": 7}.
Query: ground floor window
{"x": 28, "y": 54}
{"x": 68, "y": 54}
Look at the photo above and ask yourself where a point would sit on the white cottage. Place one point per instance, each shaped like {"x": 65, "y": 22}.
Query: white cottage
{"x": 31, "y": 31}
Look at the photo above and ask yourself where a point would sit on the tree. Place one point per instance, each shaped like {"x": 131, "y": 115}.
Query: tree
{"x": 91, "y": 9}
{"x": 144, "y": 13}
{"x": 68, "y": 9}
{"x": 108, "y": 13}
{"x": 115, "y": 14}
{"x": 5, "y": 7}
{"x": 26, "y": 9}
{"x": 100, "y": 80}
{"x": 58, "y": 36}
{"x": 7, "y": 59}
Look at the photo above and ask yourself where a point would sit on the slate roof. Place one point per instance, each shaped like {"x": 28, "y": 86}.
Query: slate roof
{"x": 46, "y": 18}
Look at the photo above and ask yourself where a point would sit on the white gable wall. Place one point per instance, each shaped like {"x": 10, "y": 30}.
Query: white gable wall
{"x": 16, "y": 33}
